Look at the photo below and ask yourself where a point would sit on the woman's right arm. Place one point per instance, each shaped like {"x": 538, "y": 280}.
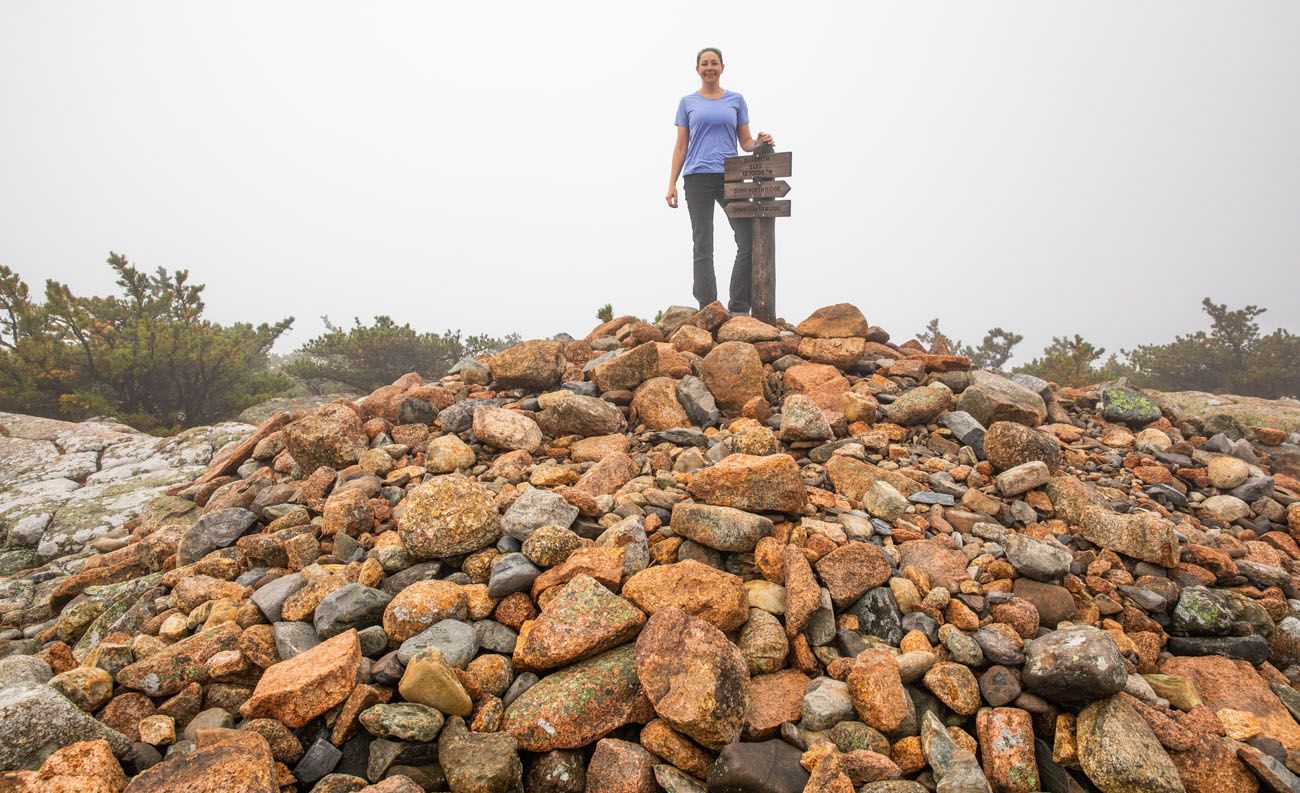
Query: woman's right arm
{"x": 679, "y": 159}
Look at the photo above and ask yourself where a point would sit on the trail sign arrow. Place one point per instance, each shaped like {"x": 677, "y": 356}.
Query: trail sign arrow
{"x": 757, "y": 166}
{"x": 758, "y": 209}
{"x": 776, "y": 189}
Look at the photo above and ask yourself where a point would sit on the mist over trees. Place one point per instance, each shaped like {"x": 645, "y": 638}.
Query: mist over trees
{"x": 147, "y": 356}
{"x": 365, "y": 357}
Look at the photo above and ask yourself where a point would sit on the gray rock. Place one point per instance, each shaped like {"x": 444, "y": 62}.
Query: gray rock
{"x": 998, "y": 648}
{"x": 1202, "y": 612}
{"x": 351, "y": 606}
{"x": 826, "y": 703}
{"x": 495, "y": 637}
{"x": 270, "y": 598}
{"x": 18, "y": 670}
{"x": 1247, "y": 648}
{"x": 955, "y": 769}
{"x": 1037, "y": 559}
{"x": 523, "y": 682}
{"x": 535, "y": 508}
{"x": 1036, "y": 384}
{"x": 511, "y": 573}
{"x": 930, "y": 497}
{"x": 214, "y": 530}
{"x": 322, "y": 756}
{"x": 698, "y": 402}
{"x": 683, "y": 436}
{"x": 405, "y": 721}
{"x": 400, "y": 580}
{"x": 1128, "y": 405}
{"x": 674, "y": 781}
{"x": 373, "y": 641}
{"x": 1073, "y": 664}
{"x": 293, "y": 638}
{"x": 721, "y": 528}
{"x": 991, "y": 398}
{"x": 458, "y": 417}
{"x": 965, "y": 429}
{"x": 37, "y": 721}
{"x": 878, "y": 615}
{"x": 456, "y": 640}
{"x": 1253, "y": 489}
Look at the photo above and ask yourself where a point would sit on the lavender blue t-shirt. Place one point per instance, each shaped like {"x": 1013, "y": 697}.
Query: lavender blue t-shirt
{"x": 712, "y": 124}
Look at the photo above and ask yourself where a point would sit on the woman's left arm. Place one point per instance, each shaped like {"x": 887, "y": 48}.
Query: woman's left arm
{"x": 747, "y": 143}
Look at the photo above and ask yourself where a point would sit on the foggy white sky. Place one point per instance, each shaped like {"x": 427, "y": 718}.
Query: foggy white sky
{"x": 1084, "y": 167}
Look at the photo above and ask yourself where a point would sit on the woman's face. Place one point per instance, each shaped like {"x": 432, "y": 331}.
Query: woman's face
{"x": 709, "y": 67}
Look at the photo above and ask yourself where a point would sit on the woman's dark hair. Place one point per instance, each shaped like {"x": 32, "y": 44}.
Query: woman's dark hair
{"x": 708, "y": 49}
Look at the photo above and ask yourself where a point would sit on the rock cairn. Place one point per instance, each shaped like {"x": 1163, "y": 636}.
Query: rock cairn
{"x": 707, "y": 553}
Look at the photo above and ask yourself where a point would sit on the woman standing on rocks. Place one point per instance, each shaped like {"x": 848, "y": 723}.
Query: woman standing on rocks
{"x": 710, "y": 122}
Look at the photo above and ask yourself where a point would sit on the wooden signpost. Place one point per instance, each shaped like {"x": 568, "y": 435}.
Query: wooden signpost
{"x": 753, "y": 185}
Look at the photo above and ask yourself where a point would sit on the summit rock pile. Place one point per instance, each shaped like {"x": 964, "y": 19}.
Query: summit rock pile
{"x": 702, "y": 554}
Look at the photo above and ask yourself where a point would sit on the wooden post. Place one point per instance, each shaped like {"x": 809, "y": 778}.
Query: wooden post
{"x": 763, "y": 277}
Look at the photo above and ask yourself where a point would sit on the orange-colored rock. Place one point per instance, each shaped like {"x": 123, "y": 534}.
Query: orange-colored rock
{"x": 824, "y": 383}
{"x": 581, "y": 620}
{"x": 655, "y": 405}
{"x": 769, "y": 483}
{"x": 694, "y": 676}
{"x": 840, "y": 353}
{"x": 853, "y": 478}
{"x": 852, "y": 569}
{"x": 300, "y": 689}
{"x": 773, "y": 699}
{"x": 420, "y": 605}
{"x": 603, "y": 564}
{"x": 876, "y": 690}
{"x": 608, "y": 475}
{"x": 714, "y": 596}
{"x": 842, "y": 320}
{"x": 733, "y": 373}
{"x": 240, "y": 762}
{"x": 1006, "y": 740}
{"x": 82, "y": 767}
{"x": 1227, "y": 683}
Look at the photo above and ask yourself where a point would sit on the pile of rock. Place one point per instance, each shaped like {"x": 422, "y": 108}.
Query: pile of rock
{"x": 707, "y": 553}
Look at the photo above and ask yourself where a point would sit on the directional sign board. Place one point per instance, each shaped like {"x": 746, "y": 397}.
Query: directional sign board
{"x": 757, "y": 166}
{"x": 776, "y": 189}
{"x": 760, "y": 209}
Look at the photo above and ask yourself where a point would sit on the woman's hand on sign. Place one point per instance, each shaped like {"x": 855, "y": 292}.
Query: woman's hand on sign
{"x": 764, "y": 137}
{"x": 671, "y": 198}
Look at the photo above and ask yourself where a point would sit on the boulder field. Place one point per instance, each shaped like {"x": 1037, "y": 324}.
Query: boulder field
{"x": 702, "y": 554}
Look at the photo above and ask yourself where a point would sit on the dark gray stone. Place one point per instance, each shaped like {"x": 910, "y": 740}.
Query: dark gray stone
{"x": 495, "y": 637}
{"x": 270, "y": 598}
{"x": 698, "y": 402}
{"x": 456, "y": 640}
{"x": 878, "y": 615}
{"x": 351, "y": 606}
{"x": 511, "y": 573}
{"x": 1073, "y": 664}
{"x": 1247, "y": 648}
{"x": 293, "y": 638}
{"x": 535, "y": 508}
{"x": 763, "y": 767}
{"x": 214, "y": 530}
{"x": 320, "y": 759}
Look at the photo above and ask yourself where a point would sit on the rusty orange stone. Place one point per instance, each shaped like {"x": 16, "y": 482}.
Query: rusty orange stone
{"x": 300, "y": 689}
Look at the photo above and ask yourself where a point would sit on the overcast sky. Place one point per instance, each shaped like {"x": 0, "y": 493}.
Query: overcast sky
{"x": 1053, "y": 168}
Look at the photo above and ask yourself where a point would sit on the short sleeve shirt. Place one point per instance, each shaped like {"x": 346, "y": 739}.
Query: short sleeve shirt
{"x": 712, "y": 124}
